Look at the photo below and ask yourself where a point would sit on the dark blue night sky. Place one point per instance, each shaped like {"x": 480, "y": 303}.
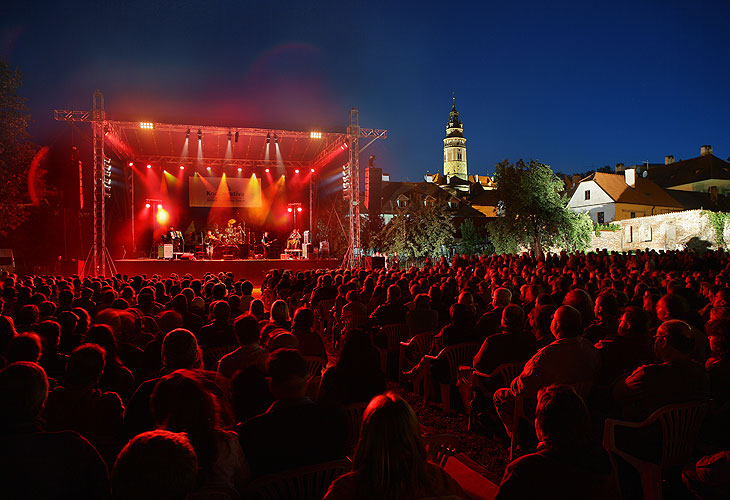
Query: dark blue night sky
{"x": 577, "y": 85}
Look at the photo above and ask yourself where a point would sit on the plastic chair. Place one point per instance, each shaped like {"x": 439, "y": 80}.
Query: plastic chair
{"x": 456, "y": 355}
{"x": 315, "y": 365}
{"x": 349, "y": 322}
{"x": 213, "y": 355}
{"x": 303, "y": 483}
{"x": 441, "y": 447}
{"x": 503, "y": 375}
{"x": 680, "y": 425}
{"x": 353, "y": 414}
{"x": 323, "y": 315}
{"x": 394, "y": 334}
{"x": 418, "y": 345}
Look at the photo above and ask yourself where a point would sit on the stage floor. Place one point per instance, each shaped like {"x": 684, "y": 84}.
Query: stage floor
{"x": 253, "y": 270}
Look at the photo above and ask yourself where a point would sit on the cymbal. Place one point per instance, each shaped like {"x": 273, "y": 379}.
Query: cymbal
{"x": 231, "y": 221}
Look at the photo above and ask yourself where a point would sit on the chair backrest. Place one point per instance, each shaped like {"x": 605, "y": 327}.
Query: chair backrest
{"x": 420, "y": 344}
{"x": 324, "y": 307}
{"x": 395, "y": 333}
{"x": 353, "y": 414}
{"x": 303, "y": 483}
{"x": 212, "y": 355}
{"x": 459, "y": 354}
{"x": 680, "y": 425}
{"x": 507, "y": 372}
{"x": 441, "y": 447}
{"x": 351, "y": 322}
{"x": 315, "y": 365}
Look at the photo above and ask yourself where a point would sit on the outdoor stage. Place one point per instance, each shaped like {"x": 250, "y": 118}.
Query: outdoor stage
{"x": 253, "y": 270}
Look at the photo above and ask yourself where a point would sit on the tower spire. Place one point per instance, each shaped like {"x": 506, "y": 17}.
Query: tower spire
{"x": 455, "y": 145}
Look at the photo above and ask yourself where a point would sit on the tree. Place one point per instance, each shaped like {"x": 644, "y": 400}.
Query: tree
{"x": 418, "y": 232}
{"x": 576, "y": 234}
{"x": 472, "y": 241}
{"x": 16, "y": 152}
{"x": 532, "y": 212}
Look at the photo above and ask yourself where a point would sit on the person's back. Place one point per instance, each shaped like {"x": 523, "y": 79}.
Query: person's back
{"x": 294, "y": 431}
{"x": 510, "y": 345}
{"x": 38, "y": 464}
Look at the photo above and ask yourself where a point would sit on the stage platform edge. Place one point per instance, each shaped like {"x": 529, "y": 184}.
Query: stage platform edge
{"x": 253, "y": 270}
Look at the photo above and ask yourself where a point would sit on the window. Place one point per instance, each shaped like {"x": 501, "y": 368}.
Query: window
{"x": 588, "y": 194}
{"x": 600, "y": 217}
{"x": 458, "y": 155}
{"x": 633, "y": 215}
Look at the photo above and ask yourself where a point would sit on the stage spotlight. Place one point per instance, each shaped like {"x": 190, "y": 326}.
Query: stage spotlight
{"x": 236, "y": 136}
{"x": 266, "y": 170}
{"x": 187, "y": 134}
{"x": 149, "y": 166}
{"x": 146, "y": 125}
{"x": 208, "y": 169}
{"x": 200, "y": 135}
{"x": 159, "y": 206}
{"x": 311, "y": 170}
{"x": 182, "y": 167}
{"x": 296, "y": 170}
{"x": 276, "y": 139}
{"x": 315, "y": 135}
{"x": 164, "y": 170}
{"x": 229, "y": 136}
{"x": 299, "y": 209}
{"x": 240, "y": 170}
{"x": 289, "y": 210}
{"x": 147, "y": 205}
{"x": 268, "y": 138}
{"x": 131, "y": 164}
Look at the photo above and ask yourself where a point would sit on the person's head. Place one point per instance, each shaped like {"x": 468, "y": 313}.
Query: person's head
{"x": 102, "y": 335}
{"x": 394, "y": 293}
{"x": 582, "y": 302}
{"x": 501, "y": 297}
{"x": 23, "y": 392}
{"x": 422, "y": 301}
{"x": 566, "y": 323}
{"x": 257, "y": 309}
{"x": 288, "y": 374}
{"x": 718, "y": 334}
{"x": 633, "y": 322}
{"x": 246, "y": 288}
{"x": 27, "y": 315}
{"x": 358, "y": 354}
{"x": 561, "y": 418}
{"x": 180, "y": 350}
{"x": 303, "y": 319}
{"x": 280, "y": 311}
{"x": 540, "y": 318}
{"x": 24, "y": 347}
{"x": 85, "y": 366}
{"x": 247, "y": 330}
{"x": 50, "y": 334}
{"x": 673, "y": 340}
{"x": 671, "y": 306}
{"x": 155, "y": 465}
{"x": 513, "y": 318}
{"x": 721, "y": 298}
{"x": 606, "y": 306}
{"x": 390, "y": 455}
{"x": 220, "y": 311}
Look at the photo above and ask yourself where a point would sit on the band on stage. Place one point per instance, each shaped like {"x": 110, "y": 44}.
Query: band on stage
{"x": 234, "y": 241}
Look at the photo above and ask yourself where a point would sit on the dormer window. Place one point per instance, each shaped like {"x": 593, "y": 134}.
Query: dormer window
{"x": 453, "y": 203}
{"x": 588, "y": 194}
{"x": 429, "y": 201}
{"x": 402, "y": 201}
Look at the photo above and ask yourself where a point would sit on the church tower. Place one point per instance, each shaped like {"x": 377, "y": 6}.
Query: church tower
{"x": 455, "y": 147}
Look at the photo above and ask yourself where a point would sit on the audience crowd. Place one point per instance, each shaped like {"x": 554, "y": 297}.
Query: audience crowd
{"x": 177, "y": 387}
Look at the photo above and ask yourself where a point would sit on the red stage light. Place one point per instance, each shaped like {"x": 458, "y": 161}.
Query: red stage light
{"x": 182, "y": 167}
{"x": 208, "y": 169}
{"x": 149, "y": 166}
{"x": 147, "y": 205}
{"x": 299, "y": 209}
{"x": 240, "y": 170}
{"x": 296, "y": 171}
{"x": 289, "y": 210}
{"x": 267, "y": 170}
{"x": 131, "y": 164}
{"x": 311, "y": 170}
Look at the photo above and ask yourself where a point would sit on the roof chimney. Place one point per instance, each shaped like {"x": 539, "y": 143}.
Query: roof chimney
{"x": 619, "y": 167}
{"x": 630, "y": 177}
{"x": 669, "y": 159}
{"x": 706, "y": 150}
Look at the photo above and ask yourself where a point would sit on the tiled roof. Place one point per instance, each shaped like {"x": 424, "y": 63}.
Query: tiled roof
{"x": 689, "y": 171}
{"x": 645, "y": 191}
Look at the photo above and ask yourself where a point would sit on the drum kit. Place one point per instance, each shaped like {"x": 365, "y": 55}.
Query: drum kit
{"x": 231, "y": 240}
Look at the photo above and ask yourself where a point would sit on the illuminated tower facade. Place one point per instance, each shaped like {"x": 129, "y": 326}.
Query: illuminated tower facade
{"x": 455, "y": 147}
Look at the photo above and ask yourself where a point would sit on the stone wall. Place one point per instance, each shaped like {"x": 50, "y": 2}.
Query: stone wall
{"x": 673, "y": 231}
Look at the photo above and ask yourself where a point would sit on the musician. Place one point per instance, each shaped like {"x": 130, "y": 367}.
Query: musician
{"x": 210, "y": 240}
{"x": 176, "y": 238}
{"x": 265, "y": 240}
{"x": 294, "y": 241}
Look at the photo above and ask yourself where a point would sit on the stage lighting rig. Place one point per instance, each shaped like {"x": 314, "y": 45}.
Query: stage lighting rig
{"x": 276, "y": 139}
{"x": 187, "y": 134}
{"x": 200, "y": 135}
{"x": 146, "y": 125}
{"x": 229, "y": 136}
{"x": 315, "y": 135}
{"x": 268, "y": 138}
{"x": 236, "y": 136}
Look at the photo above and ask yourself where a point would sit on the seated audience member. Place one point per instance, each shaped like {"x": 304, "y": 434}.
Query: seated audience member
{"x": 79, "y": 406}
{"x": 70, "y": 340}
{"x": 38, "y": 464}
{"x": 569, "y": 360}
{"x": 718, "y": 365}
{"x": 278, "y": 323}
{"x": 565, "y": 465}
{"x": 257, "y": 309}
{"x": 490, "y": 321}
{"x": 7, "y": 333}
{"x": 392, "y": 311}
{"x": 539, "y": 320}
{"x": 116, "y": 377}
{"x": 627, "y": 349}
{"x": 310, "y": 343}
{"x": 511, "y": 344}
{"x": 52, "y": 361}
{"x": 422, "y": 318}
{"x": 709, "y": 478}
{"x": 294, "y": 431}
{"x": 219, "y": 332}
{"x": 606, "y": 323}
{"x": 460, "y": 329}
{"x": 250, "y": 394}
{"x": 674, "y": 307}
{"x": 675, "y": 379}
{"x": 391, "y": 460}
{"x": 246, "y": 295}
{"x": 182, "y": 403}
{"x": 155, "y": 465}
{"x": 354, "y": 307}
{"x": 250, "y": 353}
{"x": 357, "y": 376}
{"x": 24, "y": 347}
{"x": 180, "y": 350}
{"x": 583, "y": 303}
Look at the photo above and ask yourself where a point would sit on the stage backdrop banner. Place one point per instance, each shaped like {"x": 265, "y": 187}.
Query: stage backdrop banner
{"x": 225, "y": 192}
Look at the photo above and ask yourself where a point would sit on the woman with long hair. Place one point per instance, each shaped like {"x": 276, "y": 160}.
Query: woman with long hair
{"x": 391, "y": 461}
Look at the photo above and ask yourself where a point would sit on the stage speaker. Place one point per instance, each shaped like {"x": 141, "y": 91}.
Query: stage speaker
{"x": 307, "y": 251}
{"x": 371, "y": 263}
{"x": 187, "y": 256}
{"x": 324, "y": 249}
